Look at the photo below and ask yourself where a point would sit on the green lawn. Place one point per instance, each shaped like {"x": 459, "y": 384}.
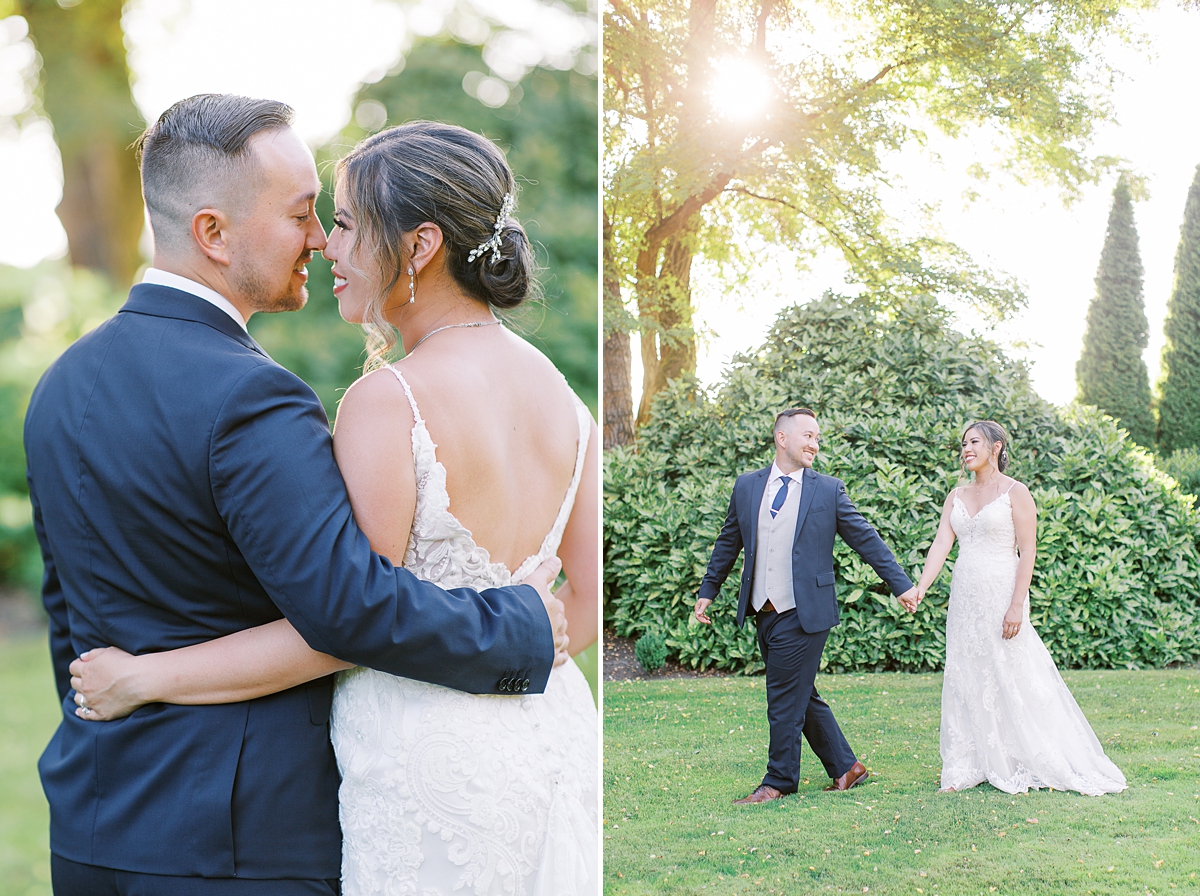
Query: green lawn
{"x": 28, "y": 716}
{"x": 677, "y": 752}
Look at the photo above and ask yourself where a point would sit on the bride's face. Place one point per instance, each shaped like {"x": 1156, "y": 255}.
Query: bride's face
{"x": 977, "y": 454}
{"x": 353, "y": 283}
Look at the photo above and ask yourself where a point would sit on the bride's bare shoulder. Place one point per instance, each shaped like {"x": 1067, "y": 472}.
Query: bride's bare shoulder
{"x": 501, "y": 361}
{"x": 540, "y": 367}
{"x": 1020, "y": 496}
{"x": 1017, "y": 487}
{"x": 374, "y": 399}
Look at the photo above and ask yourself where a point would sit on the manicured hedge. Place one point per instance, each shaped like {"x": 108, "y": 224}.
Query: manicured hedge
{"x": 1117, "y": 581}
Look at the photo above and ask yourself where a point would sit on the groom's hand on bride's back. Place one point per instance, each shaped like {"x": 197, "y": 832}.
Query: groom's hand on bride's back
{"x": 541, "y": 579}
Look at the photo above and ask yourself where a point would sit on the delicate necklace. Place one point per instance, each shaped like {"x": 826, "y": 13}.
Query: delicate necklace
{"x": 982, "y": 488}
{"x": 474, "y": 323}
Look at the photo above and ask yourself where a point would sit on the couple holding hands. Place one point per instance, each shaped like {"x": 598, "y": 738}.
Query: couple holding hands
{"x": 1007, "y": 716}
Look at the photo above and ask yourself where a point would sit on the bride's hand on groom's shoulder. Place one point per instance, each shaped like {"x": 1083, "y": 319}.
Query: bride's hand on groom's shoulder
{"x": 541, "y": 579}
{"x": 104, "y": 684}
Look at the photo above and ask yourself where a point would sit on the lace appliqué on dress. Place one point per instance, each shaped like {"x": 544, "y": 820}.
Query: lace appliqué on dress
{"x": 445, "y": 792}
{"x": 1007, "y": 716}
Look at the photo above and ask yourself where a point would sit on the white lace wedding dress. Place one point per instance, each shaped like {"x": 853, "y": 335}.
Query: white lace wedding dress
{"x": 1007, "y": 715}
{"x": 451, "y": 793}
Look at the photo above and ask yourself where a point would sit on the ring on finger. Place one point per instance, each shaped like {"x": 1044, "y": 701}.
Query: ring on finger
{"x": 80, "y": 700}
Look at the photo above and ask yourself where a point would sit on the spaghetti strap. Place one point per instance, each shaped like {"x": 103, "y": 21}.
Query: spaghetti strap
{"x": 412, "y": 401}
{"x": 1010, "y": 486}
{"x": 554, "y": 536}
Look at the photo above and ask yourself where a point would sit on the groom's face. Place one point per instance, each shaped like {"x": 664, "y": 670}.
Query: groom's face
{"x": 799, "y": 439}
{"x": 278, "y": 232}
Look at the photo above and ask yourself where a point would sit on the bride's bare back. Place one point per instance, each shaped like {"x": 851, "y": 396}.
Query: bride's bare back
{"x": 507, "y": 434}
{"x": 506, "y": 431}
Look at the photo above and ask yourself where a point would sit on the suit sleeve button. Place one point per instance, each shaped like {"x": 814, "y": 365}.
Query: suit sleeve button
{"x": 525, "y": 685}
{"x": 504, "y": 684}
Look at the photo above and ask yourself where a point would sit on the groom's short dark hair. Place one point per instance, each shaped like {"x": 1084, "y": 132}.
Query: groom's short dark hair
{"x": 195, "y": 146}
{"x": 792, "y": 412}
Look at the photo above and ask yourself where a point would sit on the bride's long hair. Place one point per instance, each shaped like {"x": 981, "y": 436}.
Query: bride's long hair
{"x": 425, "y": 171}
{"x": 993, "y": 432}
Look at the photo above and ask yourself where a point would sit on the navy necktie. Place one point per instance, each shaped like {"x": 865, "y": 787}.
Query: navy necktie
{"x": 780, "y": 496}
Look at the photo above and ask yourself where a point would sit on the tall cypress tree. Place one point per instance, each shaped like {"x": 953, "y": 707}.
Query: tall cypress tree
{"x": 1111, "y": 373}
{"x": 1179, "y": 385}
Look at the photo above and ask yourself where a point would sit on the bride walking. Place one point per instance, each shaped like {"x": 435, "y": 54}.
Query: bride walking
{"x": 1007, "y": 716}
{"x": 441, "y": 791}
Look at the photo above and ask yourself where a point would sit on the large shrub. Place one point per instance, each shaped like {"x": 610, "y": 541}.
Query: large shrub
{"x": 1117, "y": 564}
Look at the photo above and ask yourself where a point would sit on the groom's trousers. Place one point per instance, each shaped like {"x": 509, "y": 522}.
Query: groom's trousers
{"x": 794, "y": 708}
{"x": 75, "y": 879}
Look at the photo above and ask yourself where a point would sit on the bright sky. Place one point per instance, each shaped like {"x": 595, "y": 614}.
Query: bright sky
{"x": 311, "y": 54}
{"x": 1025, "y": 231}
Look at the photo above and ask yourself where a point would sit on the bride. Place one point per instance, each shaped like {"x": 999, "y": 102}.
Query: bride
{"x": 1007, "y": 716}
{"x": 441, "y": 791}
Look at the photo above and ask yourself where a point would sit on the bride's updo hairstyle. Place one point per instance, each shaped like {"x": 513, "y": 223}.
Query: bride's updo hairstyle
{"x": 993, "y": 432}
{"x": 425, "y": 171}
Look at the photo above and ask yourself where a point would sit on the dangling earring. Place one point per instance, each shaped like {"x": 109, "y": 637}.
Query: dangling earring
{"x": 412, "y": 285}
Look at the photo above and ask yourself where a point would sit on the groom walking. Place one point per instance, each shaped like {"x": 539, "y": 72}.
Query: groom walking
{"x": 785, "y": 517}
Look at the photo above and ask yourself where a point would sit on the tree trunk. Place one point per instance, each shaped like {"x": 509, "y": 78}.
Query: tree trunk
{"x": 618, "y": 376}
{"x": 618, "y": 390}
{"x": 664, "y": 294}
{"x": 669, "y": 346}
{"x": 86, "y": 95}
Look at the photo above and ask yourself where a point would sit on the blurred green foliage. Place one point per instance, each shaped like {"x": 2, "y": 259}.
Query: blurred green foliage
{"x": 894, "y": 385}
{"x": 548, "y": 130}
{"x": 1184, "y": 465}
{"x": 42, "y": 311}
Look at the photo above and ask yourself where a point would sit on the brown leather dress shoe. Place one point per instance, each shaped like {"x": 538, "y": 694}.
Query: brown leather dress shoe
{"x": 761, "y": 794}
{"x": 857, "y": 774}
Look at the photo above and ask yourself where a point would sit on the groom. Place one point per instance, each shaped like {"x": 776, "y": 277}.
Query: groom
{"x": 184, "y": 488}
{"x": 784, "y": 517}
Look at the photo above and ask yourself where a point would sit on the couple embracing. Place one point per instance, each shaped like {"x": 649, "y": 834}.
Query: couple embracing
{"x": 213, "y": 556}
{"x": 1007, "y": 716}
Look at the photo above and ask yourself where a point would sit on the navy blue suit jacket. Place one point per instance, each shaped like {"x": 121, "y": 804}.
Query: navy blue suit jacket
{"x": 825, "y": 511}
{"x": 184, "y": 488}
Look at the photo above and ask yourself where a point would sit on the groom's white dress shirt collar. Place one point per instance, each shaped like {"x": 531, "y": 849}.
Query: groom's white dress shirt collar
{"x": 166, "y": 278}
{"x": 774, "y": 484}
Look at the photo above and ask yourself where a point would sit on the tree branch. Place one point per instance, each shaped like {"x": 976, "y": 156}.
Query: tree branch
{"x": 760, "y": 34}
{"x": 674, "y": 222}
{"x": 846, "y": 247}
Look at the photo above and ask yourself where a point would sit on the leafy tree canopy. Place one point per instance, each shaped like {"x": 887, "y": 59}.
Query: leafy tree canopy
{"x": 786, "y": 117}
